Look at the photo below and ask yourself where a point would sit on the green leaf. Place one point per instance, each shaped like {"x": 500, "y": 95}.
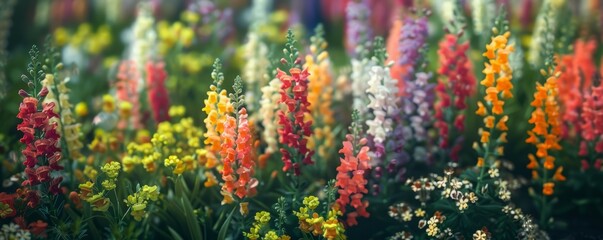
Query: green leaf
{"x": 224, "y": 228}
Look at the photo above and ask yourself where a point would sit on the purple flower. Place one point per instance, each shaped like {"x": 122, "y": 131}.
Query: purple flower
{"x": 357, "y": 30}
{"x": 412, "y": 39}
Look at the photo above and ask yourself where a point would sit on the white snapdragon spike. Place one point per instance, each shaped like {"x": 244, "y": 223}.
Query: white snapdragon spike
{"x": 445, "y": 9}
{"x": 255, "y": 69}
{"x": 268, "y": 107}
{"x": 382, "y": 93}
{"x": 548, "y": 13}
{"x": 360, "y": 77}
{"x": 482, "y": 12}
{"x": 143, "y": 42}
{"x": 260, "y": 11}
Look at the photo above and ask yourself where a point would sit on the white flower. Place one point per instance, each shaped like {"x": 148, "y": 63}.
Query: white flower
{"x": 407, "y": 216}
{"x": 268, "y": 108}
{"x": 432, "y": 230}
{"x": 255, "y": 71}
{"x": 479, "y": 235}
{"x": 462, "y": 204}
{"x": 504, "y": 194}
{"x": 493, "y": 172}
{"x": 360, "y": 77}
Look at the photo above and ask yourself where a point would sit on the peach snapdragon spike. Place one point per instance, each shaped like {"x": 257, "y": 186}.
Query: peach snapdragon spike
{"x": 237, "y": 158}
{"x": 350, "y": 178}
{"x": 127, "y": 87}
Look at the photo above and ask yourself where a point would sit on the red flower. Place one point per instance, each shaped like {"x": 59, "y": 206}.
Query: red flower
{"x": 158, "y": 94}
{"x": 38, "y": 228}
{"x": 351, "y": 181}
{"x": 33, "y": 198}
{"x": 294, "y": 130}
{"x": 454, "y": 87}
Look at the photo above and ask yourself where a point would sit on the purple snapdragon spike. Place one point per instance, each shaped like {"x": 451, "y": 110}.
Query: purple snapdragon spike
{"x": 357, "y": 31}
{"x": 413, "y": 36}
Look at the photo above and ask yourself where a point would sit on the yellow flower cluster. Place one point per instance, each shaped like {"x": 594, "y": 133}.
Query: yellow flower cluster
{"x": 98, "y": 201}
{"x": 176, "y": 145}
{"x": 497, "y": 81}
{"x": 173, "y": 35}
{"x": 310, "y": 221}
{"x": 138, "y": 201}
{"x": 92, "y": 42}
{"x": 193, "y": 63}
{"x": 69, "y": 128}
{"x": 546, "y": 133}
{"x": 111, "y": 170}
{"x": 179, "y": 165}
{"x": 320, "y": 92}
{"x": 261, "y": 224}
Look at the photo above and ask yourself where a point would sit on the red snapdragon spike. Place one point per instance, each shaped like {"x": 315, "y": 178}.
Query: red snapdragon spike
{"x": 456, "y": 78}
{"x": 158, "y": 94}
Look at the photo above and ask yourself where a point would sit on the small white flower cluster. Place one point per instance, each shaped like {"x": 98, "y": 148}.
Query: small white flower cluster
{"x": 529, "y": 229}
{"x": 268, "y": 108}
{"x": 13, "y": 231}
{"x": 382, "y": 93}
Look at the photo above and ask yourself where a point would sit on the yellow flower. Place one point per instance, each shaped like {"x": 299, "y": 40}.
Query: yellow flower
{"x": 111, "y": 169}
{"x": 81, "y": 109}
{"x": 108, "y": 103}
{"x": 109, "y": 184}
{"x": 90, "y": 172}
{"x": 311, "y": 202}
{"x": 262, "y": 217}
{"x": 61, "y": 36}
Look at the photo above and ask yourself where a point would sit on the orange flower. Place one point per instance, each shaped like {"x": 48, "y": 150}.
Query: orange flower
{"x": 480, "y": 162}
{"x": 549, "y": 162}
{"x": 502, "y": 123}
{"x": 489, "y": 121}
{"x": 485, "y": 137}
{"x": 559, "y": 174}
{"x": 481, "y": 109}
{"x": 547, "y": 188}
{"x": 533, "y": 163}
{"x": 497, "y": 107}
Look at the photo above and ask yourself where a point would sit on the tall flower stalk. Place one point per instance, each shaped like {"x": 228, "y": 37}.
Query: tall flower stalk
{"x": 294, "y": 130}
{"x": 350, "y": 173}
{"x": 40, "y": 136}
{"x": 217, "y": 107}
{"x": 498, "y": 86}
{"x": 455, "y": 84}
{"x": 545, "y": 136}
{"x": 320, "y": 92}
{"x": 237, "y": 151}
